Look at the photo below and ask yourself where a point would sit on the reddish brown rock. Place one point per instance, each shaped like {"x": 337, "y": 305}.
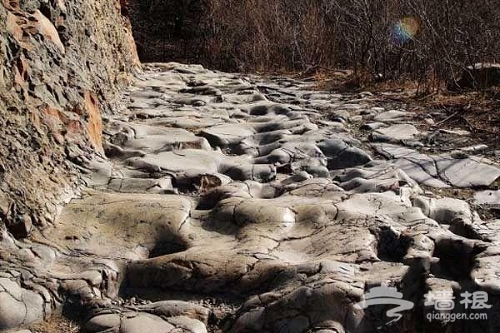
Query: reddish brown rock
{"x": 94, "y": 122}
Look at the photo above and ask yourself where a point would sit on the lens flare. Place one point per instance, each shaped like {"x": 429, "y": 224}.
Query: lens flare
{"x": 404, "y": 30}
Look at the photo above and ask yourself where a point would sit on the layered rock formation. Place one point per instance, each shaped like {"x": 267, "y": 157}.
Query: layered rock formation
{"x": 62, "y": 64}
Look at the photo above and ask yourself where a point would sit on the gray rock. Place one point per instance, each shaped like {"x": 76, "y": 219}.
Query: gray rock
{"x": 480, "y": 75}
{"x": 136, "y": 323}
{"x": 395, "y": 133}
{"x": 177, "y": 309}
{"x": 188, "y": 324}
{"x": 332, "y": 147}
{"x": 104, "y": 322}
{"x": 392, "y": 116}
{"x": 18, "y": 306}
{"x": 373, "y": 126}
{"x": 225, "y": 135}
{"x": 487, "y": 197}
{"x": 445, "y": 210}
{"x": 283, "y": 227}
{"x": 469, "y": 172}
{"x": 349, "y": 158}
{"x": 440, "y": 170}
{"x": 13, "y": 311}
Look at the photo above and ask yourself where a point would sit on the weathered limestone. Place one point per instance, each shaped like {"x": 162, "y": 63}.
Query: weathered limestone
{"x": 441, "y": 170}
{"x": 395, "y": 133}
{"x": 488, "y": 198}
{"x": 233, "y": 204}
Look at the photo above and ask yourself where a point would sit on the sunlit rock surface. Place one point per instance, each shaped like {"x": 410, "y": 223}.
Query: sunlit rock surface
{"x": 232, "y": 203}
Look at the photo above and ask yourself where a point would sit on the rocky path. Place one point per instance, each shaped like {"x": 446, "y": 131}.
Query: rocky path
{"x": 230, "y": 203}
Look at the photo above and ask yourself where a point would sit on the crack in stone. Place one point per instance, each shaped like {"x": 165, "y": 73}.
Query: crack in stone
{"x": 241, "y": 248}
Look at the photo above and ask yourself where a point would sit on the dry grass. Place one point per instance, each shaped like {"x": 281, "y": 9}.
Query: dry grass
{"x": 478, "y": 112}
{"x": 475, "y": 111}
{"x": 56, "y": 324}
{"x": 297, "y": 35}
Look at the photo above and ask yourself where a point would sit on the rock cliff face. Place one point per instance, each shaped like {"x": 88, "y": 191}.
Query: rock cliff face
{"x": 62, "y": 64}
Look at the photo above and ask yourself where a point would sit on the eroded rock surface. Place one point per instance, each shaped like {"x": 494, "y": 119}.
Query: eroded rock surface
{"x": 231, "y": 203}
{"x": 62, "y": 64}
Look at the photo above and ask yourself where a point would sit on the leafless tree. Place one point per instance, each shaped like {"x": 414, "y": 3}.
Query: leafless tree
{"x": 289, "y": 35}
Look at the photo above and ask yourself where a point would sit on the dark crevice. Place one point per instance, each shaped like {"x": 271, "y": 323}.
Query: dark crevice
{"x": 162, "y": 248}
{"x": 456, "y": 258}
{"x": 391, "y": 246}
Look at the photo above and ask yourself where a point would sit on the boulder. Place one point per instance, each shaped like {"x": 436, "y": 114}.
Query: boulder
{"x": 478, "y": 76}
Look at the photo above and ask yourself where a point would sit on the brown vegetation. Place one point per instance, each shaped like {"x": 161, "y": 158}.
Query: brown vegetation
{"x": 426, "y": 41}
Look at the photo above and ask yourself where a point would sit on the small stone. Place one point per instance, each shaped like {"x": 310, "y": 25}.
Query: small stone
{"x": 487, "y": 197}
{"x": 392, "y": 116}
{"x": 395, "y": 133}
{"x": 373, "y": 126}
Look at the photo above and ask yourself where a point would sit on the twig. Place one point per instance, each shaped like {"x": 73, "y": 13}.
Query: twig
{"x": 446, "y": 119}
{"x": 469, "y": 125}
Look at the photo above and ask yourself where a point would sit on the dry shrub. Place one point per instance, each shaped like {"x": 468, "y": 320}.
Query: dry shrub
{"x": 295, "y": 35}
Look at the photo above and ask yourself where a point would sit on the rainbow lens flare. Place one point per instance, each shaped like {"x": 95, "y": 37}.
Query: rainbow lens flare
{"x": 404, "y": 30}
